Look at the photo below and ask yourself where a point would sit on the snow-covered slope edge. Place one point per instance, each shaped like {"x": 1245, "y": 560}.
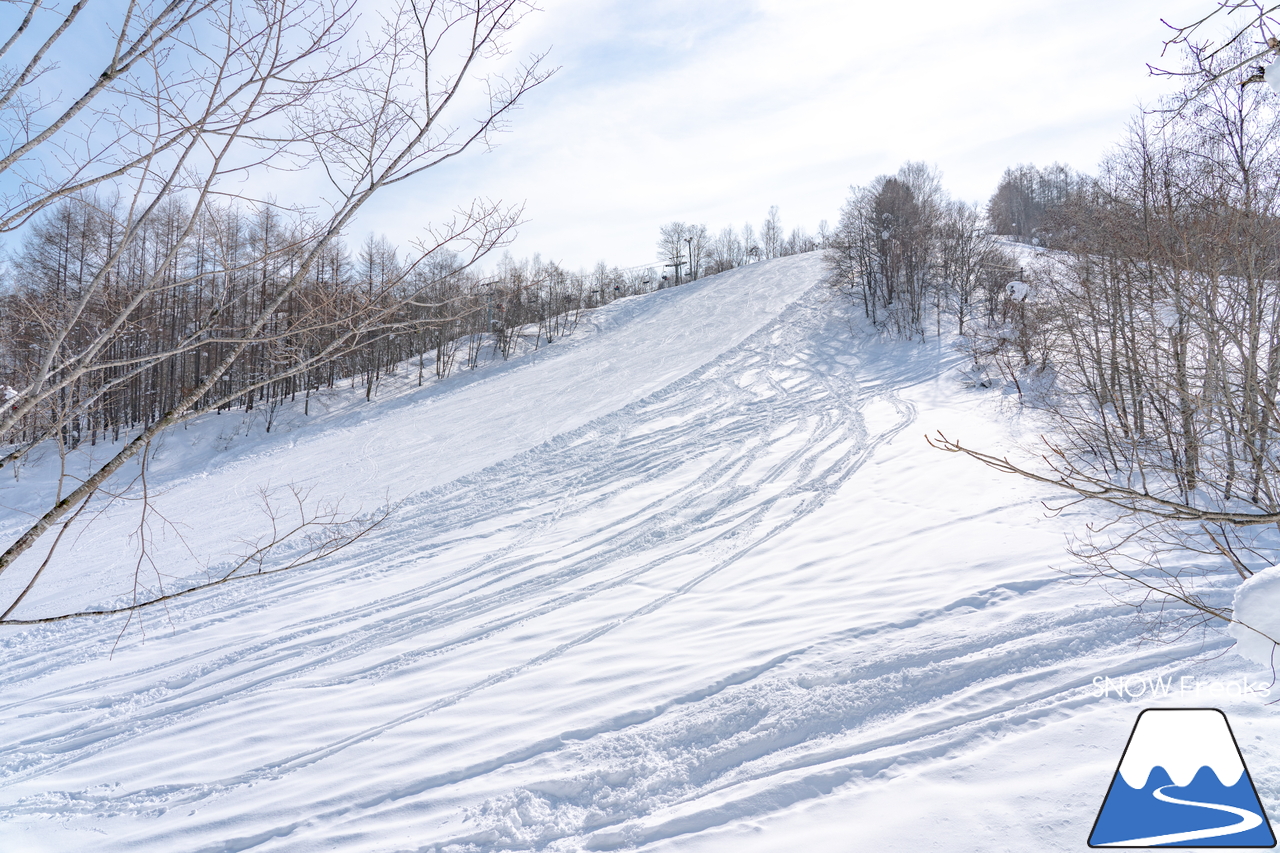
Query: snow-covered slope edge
{"x": 688, "y": 599}
{"x": 389, "y": 451}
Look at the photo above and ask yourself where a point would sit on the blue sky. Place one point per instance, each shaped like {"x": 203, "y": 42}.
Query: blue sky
{"x": 711, "y": 111}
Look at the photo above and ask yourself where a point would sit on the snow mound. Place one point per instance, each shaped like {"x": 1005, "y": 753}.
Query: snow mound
{"x": 1272, "y": 75}
{"x": 1257, "y": 614}
{"x": 1018, "y": 290}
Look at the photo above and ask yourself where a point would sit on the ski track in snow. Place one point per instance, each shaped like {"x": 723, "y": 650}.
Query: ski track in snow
{"x": 546, "y": 555}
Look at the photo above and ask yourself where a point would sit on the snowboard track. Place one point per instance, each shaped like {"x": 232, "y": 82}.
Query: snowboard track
{"x": 730, "y": 456}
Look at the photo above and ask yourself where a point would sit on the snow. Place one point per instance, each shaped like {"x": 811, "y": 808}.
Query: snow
{"x": 689, "y": 579}
{"x": 1256, "y": 610}
{"x": 1272, "y": 75}
{"x": 1166, "y": 313}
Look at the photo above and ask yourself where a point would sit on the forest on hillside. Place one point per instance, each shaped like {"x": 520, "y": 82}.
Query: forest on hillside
{"x": 1137, "y": 305}
{"x": 1143, "y": 317}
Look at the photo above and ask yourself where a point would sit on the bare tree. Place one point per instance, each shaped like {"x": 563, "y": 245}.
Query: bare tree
{"x": 1165, "y": 342}
{"x": 750, "y": 245}
{"x": 967, "y": 251}
{"x": 798, "y": 242}
{"x": 673, "y": 250}
{"x": 726, "y": 252}
{"x": 771, "y": 234}
{"x": 884, "y": 250}
{"x": 194, "y": 102}
{"x": 1029, "y": 201}
{"x": 1214, "y": 55}
{"x": 698, "y": 248}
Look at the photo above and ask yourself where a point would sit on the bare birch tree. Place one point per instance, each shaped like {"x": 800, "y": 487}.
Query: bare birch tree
{"x": 1165, "y": 340}
{"x": 1226, "y": 44}
{"x": 192, "y": 103}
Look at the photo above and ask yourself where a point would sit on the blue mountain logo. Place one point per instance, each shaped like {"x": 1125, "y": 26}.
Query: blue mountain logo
{"x": 1182, "y": 783}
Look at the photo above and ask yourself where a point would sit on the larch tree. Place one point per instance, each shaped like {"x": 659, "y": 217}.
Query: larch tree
{"x": 160, "y": 283}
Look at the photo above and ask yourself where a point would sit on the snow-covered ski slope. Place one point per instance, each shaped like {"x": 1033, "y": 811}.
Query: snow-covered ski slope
{"x": 690, "y": 579}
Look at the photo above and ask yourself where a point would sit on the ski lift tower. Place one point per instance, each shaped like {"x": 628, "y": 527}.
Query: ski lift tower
{"x": 677, "y": 263}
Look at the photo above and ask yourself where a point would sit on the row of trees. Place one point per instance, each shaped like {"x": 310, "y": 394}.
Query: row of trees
{"x": 1151, "y": 327}
{"x": 157, "y": 284}
{"x": 354, "y": 318}
{"x": 152, "y": 287}
{"x": 691, "y": 251}
{"x": 906, "y": 252}
{"x": 1158, "y": 319}
{"x": 1151, "y": 330}
{"x": 1029, "y": 203}
{"x": 1164, "y": 328}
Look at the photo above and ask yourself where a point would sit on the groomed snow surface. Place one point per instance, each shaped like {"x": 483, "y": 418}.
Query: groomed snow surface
{"x": 688, "y": 580}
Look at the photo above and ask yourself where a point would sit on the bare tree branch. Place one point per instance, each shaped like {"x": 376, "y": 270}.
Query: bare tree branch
{"x": 168, "y": 275}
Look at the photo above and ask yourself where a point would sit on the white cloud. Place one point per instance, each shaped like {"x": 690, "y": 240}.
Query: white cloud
{"x": 711, "y": 110}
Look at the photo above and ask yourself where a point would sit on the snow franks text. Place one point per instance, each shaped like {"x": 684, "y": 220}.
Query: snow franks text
{"x": 1136, "y": 686}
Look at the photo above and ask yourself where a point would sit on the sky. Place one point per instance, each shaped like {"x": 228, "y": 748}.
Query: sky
{"x": 711, "y": 111}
